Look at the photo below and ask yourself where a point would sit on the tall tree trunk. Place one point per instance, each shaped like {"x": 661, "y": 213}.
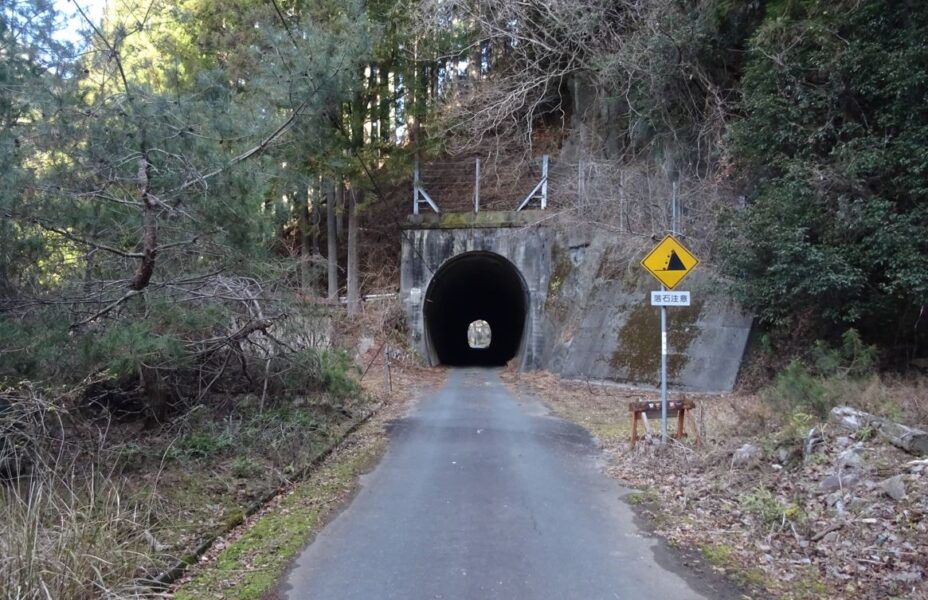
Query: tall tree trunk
{"x": 373, "y": 106}
{"x": 474, "y": 63}
{"x": 385, "y": 101}
{"x": 315, "y": 219}
{"x": 333, "y": 196}
{"x": 340, "y": 212}
{"x": 306, "y": 249}
{"x": 146, "y": 267}
{"x": 354, "y": 197}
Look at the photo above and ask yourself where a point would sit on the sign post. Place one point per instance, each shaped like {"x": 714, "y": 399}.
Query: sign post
{"x": 669, "y": 262}
{"x": 663, "y": 373}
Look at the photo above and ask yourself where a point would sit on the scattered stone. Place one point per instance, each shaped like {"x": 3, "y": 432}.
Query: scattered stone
{"x": 857, "y": 504}
{"x": 917, "y": 466}
{"x": 843, "y": 441}
{"x": 829, "y": 538}
{"x": 907, "y": 576}
{"x": 851, "y": 458}
{"x": 746, "y": 455}
{"x": 784, "y": 454}
{"x": 893, "y": 487}
{"x": 839, "y": 481}
{"x": 813, "y": 443}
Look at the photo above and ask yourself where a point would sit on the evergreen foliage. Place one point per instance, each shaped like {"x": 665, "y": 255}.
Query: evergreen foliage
{"x": 146, "y": 185}
{"x": 155, "y": 188}
{"x": 834, "y": 133}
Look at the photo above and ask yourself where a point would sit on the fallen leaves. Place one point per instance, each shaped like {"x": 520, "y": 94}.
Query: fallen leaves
{"x": 770, "y": 523}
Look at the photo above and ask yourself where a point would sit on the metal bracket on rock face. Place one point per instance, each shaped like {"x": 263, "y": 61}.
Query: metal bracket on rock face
{"x": 669, "y": 262}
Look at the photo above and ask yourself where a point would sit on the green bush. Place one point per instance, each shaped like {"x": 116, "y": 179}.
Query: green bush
{"x": 204, "y": 444}
{"x": 37, "y": 348}
{"x": 336, "y": 371}
{"x": 852, "y": 358}
{"x": 245, "y": 467}
{"x": 797, "y": 388}
{"x": 819, "y": 385}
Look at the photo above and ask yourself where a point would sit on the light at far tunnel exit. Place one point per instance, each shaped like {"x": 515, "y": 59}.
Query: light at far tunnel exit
{"x": 479, "y": 334}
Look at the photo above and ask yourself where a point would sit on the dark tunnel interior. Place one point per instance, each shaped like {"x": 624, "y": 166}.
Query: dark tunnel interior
{"x": 472, "y": 286}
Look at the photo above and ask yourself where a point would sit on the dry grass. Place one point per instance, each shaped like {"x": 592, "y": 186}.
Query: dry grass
{"x": 67, "y": 529}
{"x": 89, "y": 508}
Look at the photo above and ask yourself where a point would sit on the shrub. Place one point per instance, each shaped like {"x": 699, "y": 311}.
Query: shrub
{"x": 204, "y": 444}
{"x": 797, "y": 388}
{"x": 822, "y": 383}
{"x": 245, "y": 467}
{"x": 768, "y": 509}
{"x": 853, "y": 358}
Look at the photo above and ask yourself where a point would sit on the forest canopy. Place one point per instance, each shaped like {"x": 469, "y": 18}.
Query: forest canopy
{"x": 181, "y": 162}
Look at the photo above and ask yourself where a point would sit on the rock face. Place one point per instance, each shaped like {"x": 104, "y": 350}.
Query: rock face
{"x": 814, "y": 441}
{"x": 851, "y": 458}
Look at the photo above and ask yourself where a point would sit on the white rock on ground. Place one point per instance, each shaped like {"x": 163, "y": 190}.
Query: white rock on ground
{"x": 745, "y": 456}
{"x": 893, "y": 487}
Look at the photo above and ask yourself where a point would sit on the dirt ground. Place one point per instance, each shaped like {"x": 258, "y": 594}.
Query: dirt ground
{"x": 786, "y": 509}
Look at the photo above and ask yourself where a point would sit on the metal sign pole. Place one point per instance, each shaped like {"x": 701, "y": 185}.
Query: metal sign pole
{"x": 663, "y": 372}
{"x": 669, "y": 262}
{"x": 477, "y": 187}
{"x": 673, "y": 231}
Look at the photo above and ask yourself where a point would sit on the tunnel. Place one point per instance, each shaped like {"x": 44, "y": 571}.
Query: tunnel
{"x": 472, "y": 287}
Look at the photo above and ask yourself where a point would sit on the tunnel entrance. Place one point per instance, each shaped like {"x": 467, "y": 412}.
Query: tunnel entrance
{"x": 476, "y": 286}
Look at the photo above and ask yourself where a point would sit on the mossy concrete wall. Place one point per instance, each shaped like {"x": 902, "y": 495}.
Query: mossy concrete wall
{"x": 600, "y": 324}
{"x": 589, "y": 314}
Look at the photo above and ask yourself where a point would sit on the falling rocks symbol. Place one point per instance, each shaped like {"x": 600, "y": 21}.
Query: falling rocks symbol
{"x": 669, "y": 262}
{"x": 674, "y": 263}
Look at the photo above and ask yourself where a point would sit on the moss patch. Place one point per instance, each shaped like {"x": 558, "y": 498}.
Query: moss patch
{"x": 470, "y": 220}
{"x": 638, "y": 355}
{"x": 723, "y": 558}
{"x": 562, "y": 268}
{"x": 252, "y": 565}
{"x": 642, "y": 497}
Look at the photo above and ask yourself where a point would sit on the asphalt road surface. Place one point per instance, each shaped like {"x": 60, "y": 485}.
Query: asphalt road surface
{"x": 480, "y": 496}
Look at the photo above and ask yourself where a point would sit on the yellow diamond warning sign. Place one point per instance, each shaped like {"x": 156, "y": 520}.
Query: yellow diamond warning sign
{"x": 669, "y": 262}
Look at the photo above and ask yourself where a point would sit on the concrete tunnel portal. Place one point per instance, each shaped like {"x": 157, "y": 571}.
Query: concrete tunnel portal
{"x": 471, "y": 287}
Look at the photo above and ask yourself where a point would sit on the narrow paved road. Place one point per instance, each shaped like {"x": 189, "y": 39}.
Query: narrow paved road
{"x": 485, "y": 496}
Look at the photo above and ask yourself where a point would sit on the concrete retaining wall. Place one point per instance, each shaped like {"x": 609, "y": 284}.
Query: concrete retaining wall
{"x": 589, "y": 313}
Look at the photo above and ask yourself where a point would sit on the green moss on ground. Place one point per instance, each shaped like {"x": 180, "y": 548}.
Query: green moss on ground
{"x": 253, "y": 564}
{"x": 642, "y": 497}
{"x": 723, "y": 558}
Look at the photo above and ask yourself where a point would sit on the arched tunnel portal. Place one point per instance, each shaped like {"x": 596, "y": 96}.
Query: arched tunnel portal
{"x": 470, "y": 287}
